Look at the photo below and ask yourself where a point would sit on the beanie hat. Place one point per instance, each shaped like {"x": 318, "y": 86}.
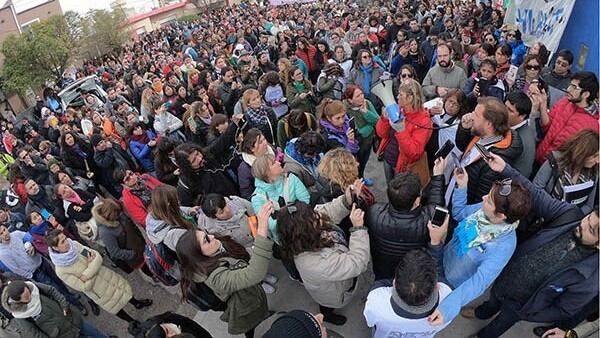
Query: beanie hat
{"x": 96, "y": 139}
{"x": 52, "y": 161}
{"x": 295, "y": 324}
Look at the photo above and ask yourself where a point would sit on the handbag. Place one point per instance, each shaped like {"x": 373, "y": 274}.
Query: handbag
{"x": 88, "y": 230}
{"x": 421, "y": 169}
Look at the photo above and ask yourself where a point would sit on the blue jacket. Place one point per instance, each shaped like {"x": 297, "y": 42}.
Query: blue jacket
{"x": 471, "y": 274}
{"x": 566, "y": 292}
{"x": 296, "y": 192}
{"x": 519, "y": 50}
{"x": 143, "y": 153}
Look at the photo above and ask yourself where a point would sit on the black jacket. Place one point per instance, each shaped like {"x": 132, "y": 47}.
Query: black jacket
{"x": 481, "y": 177}
{"x": 212, "y": 178}
{"x": 393, "y": 233}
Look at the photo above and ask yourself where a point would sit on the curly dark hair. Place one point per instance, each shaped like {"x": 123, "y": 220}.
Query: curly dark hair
{"x": 301, "y": 230}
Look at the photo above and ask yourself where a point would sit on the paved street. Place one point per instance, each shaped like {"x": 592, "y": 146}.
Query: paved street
{"x": 290, "y": 295}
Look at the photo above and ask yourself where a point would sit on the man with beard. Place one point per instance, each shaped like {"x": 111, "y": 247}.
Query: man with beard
{"x": 552, "y": 276}
{"x": 443, "y": 76}
{"x": 39, "y": 198}
{"x": 576, "y": 111}
{"x": 487, "y": 126}
{"x": 137, "y": 190}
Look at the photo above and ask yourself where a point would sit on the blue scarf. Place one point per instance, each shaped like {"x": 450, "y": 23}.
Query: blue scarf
{"x": 367, "y": 76}
{"x": 66, "y": 258}
{"x": 39, "y": 229}
{"x": 477, "y": 229}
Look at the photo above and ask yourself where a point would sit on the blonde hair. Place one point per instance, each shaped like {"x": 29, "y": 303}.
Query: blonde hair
{"x": 283, "y": 73}
{"x": 339, "y": 166}
{"x": 248, "y": 95}
{"x": 260, "y": 167}
{"x": 413, "y": 88}
{"x": 189, "y": 78}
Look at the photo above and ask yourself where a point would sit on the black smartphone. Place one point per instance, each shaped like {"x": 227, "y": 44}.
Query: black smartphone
{"x": 444, "y": 150}
{"x": 439, "y": 216}
{"x": 483, "y": 151}
{"x": 84, "y": 252}
{"x": 352, "y": 124}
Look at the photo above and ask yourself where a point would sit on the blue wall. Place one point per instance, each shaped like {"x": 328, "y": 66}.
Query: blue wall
{"x": 583, "y": 29}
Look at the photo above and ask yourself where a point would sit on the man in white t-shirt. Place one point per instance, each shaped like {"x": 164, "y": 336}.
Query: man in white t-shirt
{"x": 399, "y": 308}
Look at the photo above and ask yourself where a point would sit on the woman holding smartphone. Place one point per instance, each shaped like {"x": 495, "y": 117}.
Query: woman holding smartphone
{"x": 81, "y": 269}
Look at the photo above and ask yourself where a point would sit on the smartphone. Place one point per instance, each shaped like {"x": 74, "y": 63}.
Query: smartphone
{"x": 458, "y": 166}
{"x": 444, "y": 150}
{"x": 439, "y": 216}
{"x": 45, "y": 214}
{"x": 85, "y": 252}
{"x": 484, "y": 152}
{"x": 352, "y": 124}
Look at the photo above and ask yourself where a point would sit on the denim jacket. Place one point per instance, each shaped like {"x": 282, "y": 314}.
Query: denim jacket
{"x": 471, "y": 274}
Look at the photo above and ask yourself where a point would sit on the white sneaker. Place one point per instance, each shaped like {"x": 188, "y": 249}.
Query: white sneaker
{"x": 268, "y": 288}
{"x": 271, "y": 279}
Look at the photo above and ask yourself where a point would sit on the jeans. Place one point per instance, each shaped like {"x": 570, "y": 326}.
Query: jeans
{"x": 45, "y": 274}
{"x": 507, "y": 317}
{"x": 90, "y": 331}
{"x": 364, "y": 152}
{"x": 389, "y": 172}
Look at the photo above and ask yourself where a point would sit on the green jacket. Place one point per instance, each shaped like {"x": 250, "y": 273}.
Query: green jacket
{"x": 364, "y": 122}
{"x": 295, "y": 102}
{"x": 52, "y": 321}
{"x": 238, "y": 283}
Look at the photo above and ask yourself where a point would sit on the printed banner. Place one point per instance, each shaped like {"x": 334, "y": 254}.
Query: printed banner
{"x": 540, "y": 20}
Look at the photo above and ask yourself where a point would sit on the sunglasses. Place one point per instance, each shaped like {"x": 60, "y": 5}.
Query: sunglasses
{"x": 206, "y": 236}
{"x": 532, "y": 67}
{"x": 505, "y": 187}
{"x": 404, "y": 76}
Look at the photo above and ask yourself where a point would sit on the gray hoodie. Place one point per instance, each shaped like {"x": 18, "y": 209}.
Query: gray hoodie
{"x": 236, "y": 227}
{"x": 159, "y": 231}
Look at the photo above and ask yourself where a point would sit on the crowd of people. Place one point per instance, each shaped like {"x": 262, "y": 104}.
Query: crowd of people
{"x": 210, "y": 148}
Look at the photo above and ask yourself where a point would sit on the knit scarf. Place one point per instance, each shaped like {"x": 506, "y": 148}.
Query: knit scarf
{"x": 66, "y": 258}
{"x": 258, "y": 116}
{"x": 299, "y": 86}
{"x": 477, "y": 229}
{"x": 143, "y": 139}
{"x": 141, "y": 190}
{"x": 367, "y": 76}
{"x": 34, "y": 307}
{"x": 75, "y": 199}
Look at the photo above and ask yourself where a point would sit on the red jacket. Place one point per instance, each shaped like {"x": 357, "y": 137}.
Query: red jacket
{"x": 411, "y": 141}
{"x": 308, "y": 57}
{"x": 566, "y": 119}
{"x": 133, "y": 204}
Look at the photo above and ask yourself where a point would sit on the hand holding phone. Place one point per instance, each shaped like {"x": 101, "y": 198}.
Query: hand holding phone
{"x": 444, "y": 150}
{"x": 485, "y": 154}
{"x": 439, "y": 216}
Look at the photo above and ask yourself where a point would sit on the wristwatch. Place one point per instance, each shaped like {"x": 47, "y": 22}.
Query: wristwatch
{"x": 571, "y": 334}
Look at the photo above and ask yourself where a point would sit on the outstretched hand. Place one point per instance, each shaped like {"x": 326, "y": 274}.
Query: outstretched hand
{"x": 496, "y": 163}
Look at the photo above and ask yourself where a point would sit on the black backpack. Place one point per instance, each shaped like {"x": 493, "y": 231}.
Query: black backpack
{"x": 204, "y": 298}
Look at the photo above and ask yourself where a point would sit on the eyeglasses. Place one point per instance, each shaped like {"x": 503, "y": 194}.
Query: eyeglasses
{"x": 505, "y": 187}
{"x": 404, "y": 76}
{"x": 573, "y": 86}
{"x": 206, "y": 236}
{"x": 532, "y": 67}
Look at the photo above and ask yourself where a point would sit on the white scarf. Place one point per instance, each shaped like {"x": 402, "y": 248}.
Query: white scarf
{"x": 34, "y": 307}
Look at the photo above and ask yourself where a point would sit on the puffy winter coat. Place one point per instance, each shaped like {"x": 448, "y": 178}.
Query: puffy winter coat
{"x": 411, "y": 141}
{"x": 566, "y": 119}
{"x": 393, "y": 233}
{"x": 481, "y": 177}
{"x": 143, "y": 152}
{"x": 103, "y": 286}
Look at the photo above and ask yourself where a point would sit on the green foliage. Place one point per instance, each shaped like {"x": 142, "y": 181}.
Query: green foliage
{"x": 187, "y": 18}
{"x": 37, "y": 55}
{"x": 41, "y": 53}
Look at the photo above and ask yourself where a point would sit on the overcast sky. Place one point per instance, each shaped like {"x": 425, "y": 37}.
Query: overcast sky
{"x": 82, "y": 6}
